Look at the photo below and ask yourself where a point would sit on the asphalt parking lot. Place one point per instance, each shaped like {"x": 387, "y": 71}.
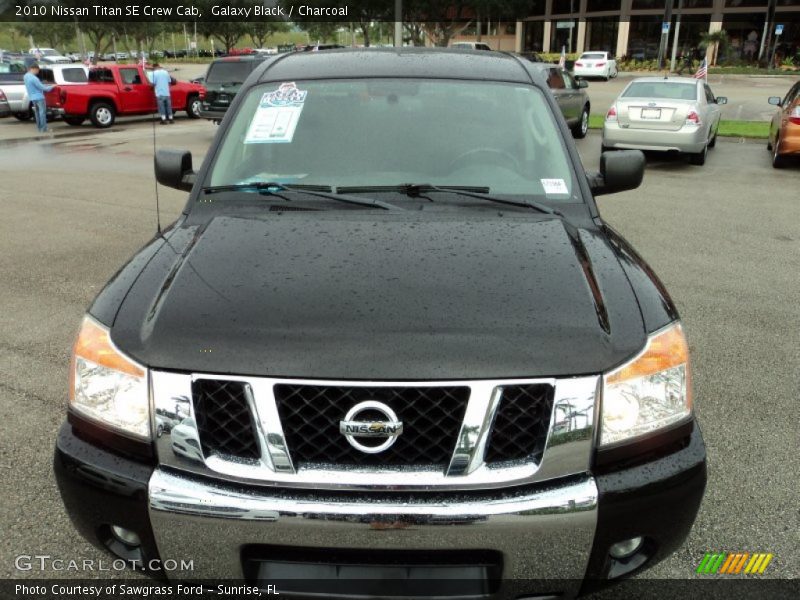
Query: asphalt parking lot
{"x": 725, "y": 238}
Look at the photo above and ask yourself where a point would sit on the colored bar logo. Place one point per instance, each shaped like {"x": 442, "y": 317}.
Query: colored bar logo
{"x": 734, "y": 563}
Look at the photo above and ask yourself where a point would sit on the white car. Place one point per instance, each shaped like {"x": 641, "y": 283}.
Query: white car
{"x": 596, "y": 64}
{"x": 676, "y": 114}
{"x": 470, "y": 46}
{"x": 49, "y": 55}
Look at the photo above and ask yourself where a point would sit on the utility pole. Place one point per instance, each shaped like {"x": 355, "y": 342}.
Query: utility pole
{"x": 676, "y": 36}
{"x": 770, "y": 27}
{"x": 398, "y": 23}
{"x": 665, "y": 26}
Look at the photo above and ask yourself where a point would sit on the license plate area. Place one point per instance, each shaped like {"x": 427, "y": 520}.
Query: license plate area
{"x": 313, "y": 572}
{"x": 651, "y": 113}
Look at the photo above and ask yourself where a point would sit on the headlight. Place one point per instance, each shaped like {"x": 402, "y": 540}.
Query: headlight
{"x": 650, "y": 392}
{"x": 106, "y": 386}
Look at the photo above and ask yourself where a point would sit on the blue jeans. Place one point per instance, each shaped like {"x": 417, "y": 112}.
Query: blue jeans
{"x": 40, "y": 112}
{"x": 164, "y": 107}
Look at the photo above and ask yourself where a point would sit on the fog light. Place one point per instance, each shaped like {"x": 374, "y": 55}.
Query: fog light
{"x": 126, "y": 536}
{"x": 625, "y": 548}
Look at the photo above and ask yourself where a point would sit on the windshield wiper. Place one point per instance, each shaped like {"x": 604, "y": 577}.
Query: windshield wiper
{"x": 415, "y": 190}
{"x": 273, "y": 188}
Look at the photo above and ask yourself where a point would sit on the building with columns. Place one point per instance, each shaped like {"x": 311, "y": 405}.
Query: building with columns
{"x": 632, "y": 28}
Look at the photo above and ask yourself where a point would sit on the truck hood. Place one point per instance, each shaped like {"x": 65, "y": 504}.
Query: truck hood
{"x": 355, "y": 295}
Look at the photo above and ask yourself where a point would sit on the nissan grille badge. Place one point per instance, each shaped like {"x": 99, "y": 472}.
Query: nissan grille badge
{"x": 352, "y": 428}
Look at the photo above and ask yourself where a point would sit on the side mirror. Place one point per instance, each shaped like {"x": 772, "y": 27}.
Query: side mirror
{"x": 619, "y": 171}
{"x": 174, "y": 169}
{"x": 775, "y": 100}
{"x": 722, "y": 100}
{"x": 172, "y": 81}
{"x": 582, "y": 83}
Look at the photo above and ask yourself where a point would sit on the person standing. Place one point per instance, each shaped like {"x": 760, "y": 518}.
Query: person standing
{"x": 161, "y": 83}
{"x": 36, "y": 91}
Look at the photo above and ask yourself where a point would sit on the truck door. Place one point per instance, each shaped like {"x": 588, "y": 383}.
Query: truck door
{"x": 136, "y": 95}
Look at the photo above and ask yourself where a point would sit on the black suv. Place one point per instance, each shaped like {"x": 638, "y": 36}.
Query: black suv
{"x": 222, "y": 81}
{"x": 389, "y": 338}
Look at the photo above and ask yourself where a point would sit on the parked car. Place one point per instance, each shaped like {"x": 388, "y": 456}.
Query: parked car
{"x": 13, "y": 88}
{"x": 223, "y": 79}
{"x": 5, "y": 108}
{"x": 48, "y": 55}
{"x": 570, "y": 94}
{"x": 119, "y": 90}
{"x": 471, "y": 45}
{"x": 429, "y": 357}
{"x": 596, "y": 64}
{"x": 784, "y": 130}
{"x": 676, "y": 114}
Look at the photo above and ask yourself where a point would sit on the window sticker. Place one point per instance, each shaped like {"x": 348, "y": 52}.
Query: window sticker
{"x": 554, "y": 186}
{"x": 277, "y": 116}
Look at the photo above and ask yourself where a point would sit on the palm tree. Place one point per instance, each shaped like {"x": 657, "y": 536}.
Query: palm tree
{"x": 716, "y": 41}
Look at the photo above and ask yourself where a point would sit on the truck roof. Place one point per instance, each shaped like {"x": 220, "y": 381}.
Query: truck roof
{"x": 428, "y": 63}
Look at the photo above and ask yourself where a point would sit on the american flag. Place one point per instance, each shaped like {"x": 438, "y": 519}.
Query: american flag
{"x": 562, "y": 62}
{"x": 702, "y": 70}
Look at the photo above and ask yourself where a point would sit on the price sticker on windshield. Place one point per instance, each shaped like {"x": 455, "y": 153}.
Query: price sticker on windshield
{"x": 554, "y": 186}
{"x": 277, "y": 116}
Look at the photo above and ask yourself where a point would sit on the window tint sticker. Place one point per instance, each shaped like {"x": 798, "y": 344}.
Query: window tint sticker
{"x": 277, "y": 116}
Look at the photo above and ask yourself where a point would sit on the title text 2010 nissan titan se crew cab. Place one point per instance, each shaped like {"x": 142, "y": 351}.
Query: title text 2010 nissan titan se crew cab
{"x": 389, "y": 337}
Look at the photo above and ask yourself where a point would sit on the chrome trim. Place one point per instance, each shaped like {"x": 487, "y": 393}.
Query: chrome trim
{"x": 543, "y": 532}
{"x": 568, "y": 449}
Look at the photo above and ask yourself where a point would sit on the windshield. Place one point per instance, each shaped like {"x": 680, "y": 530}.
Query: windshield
{"x": 387, "y": 132}
{"x": 593, "y": 55}
{"x": 229, "y": 72}
{"x": 661, "y": 89}
{"x": 48, "y": 52}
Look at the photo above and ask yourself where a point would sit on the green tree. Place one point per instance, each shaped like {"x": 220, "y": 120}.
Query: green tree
{"x": 55, "y": 34}
{"x": 260, "y": 31}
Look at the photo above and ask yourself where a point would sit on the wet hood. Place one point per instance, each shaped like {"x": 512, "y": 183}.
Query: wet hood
{"x": 356, "y": 295}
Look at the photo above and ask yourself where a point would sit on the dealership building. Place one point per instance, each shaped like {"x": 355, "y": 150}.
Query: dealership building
{"x": 633, "y": 27}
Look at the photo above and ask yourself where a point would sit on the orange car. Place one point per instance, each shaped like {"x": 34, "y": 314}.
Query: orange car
{"x": 784, "y": 131}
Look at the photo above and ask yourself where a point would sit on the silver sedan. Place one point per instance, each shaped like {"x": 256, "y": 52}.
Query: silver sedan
{"x": 678, "y": 114}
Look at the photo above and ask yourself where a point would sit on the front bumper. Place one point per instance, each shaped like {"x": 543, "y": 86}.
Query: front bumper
{"x": 212, "y": 114}
{"x": 687, "y": 139}
{"x": 552, "y": 536}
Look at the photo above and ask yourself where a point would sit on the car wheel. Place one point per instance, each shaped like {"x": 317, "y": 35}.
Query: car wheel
{"x": 160, "y": 431}
{"x": 23, "y": 116}
{"x": 778, "y": 161}
{"x": 582, "y": 128}
{"x": 102, "y": 115}
{"x": 769, "y": 146}
{"x": 193, "y": 106}
{"x": 74, "y": 121}
{"x": 713, "y": 141}
{"x": 699, "y": 158}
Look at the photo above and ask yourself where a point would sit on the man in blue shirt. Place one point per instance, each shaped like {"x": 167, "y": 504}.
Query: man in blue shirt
{"x": 161, "y": 83}
{"x": 36, "y": 91}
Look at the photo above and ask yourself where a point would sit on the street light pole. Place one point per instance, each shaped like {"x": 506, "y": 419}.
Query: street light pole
{"x": 662, "y": 47}
{"x": 398, "y": 23}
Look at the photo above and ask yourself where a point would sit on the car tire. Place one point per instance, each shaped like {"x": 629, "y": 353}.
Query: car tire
{"x": 193, "y": 106}
{"x": 23, "y": 116}
{"x": 582, "y": 128}
{"x": 699, "y": 158}
{"x": 778, "y": 161}
{"x": 74, "y": 121}
{"x": 713, "y": 141}
{"x": 769, "y": 146}
{"x": 102, "y": 115}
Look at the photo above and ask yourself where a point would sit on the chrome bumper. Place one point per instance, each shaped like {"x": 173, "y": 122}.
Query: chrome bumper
{"x": 543, "y": 532}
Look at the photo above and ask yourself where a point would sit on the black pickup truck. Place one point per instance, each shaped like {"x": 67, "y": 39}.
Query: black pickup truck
{"x": 390, "y": 348}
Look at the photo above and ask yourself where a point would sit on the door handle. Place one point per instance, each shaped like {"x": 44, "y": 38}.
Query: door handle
{"x": 128, "y": 89}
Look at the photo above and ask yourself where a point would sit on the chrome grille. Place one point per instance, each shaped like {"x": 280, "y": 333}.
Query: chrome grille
{"x": 224, "y": 420}
{"x": 521, "y": 423}
{"x": 431, "y": 419}
{"x": 245, "y": 438}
